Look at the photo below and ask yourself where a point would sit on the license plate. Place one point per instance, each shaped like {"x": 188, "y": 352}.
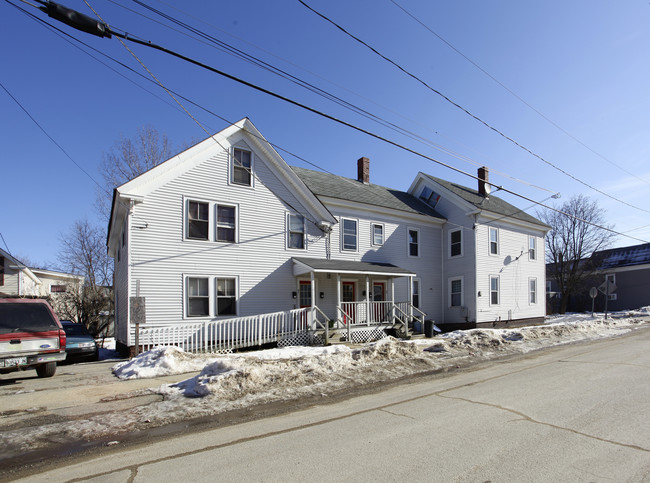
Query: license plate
{"x": 15, "y": 361}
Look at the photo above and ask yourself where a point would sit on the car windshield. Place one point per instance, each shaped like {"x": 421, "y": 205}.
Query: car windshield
{"x": 75, "y": 329}
{"x": 25, "y": 318}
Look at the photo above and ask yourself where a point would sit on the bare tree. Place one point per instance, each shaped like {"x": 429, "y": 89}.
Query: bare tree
{"x": 83, "y": 252}
{"x": 573, "y": 238}
{"x": 129, "y": 158}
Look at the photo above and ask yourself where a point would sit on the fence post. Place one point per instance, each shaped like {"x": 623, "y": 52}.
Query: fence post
{"x": 137, "y": 338}
{"x": 259, "y": 330}
{"x": 205, "y": 336}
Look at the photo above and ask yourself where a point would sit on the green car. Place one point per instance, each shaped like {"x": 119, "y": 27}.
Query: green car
{"x": 80, "y": 345}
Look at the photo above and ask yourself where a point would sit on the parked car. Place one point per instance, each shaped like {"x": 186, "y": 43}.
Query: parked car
{"x": 31, "y": 337}
{"x": 80, "y": 344}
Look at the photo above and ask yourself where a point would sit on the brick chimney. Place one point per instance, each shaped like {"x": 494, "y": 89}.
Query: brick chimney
{"x": 363, "y": 170}
{"x": 483, "y": 179}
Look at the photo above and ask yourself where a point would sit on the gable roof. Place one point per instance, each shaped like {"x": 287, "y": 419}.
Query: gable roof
{"x": 333, "y": 186}
{"x": 490, "y": 203}
{"x": 622, "y": 257}
{"x": 139, "y": 187}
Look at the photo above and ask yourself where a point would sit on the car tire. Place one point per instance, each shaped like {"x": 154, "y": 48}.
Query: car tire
{"x": 46, "y": 370}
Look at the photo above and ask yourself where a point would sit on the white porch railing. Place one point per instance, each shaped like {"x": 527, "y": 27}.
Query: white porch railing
{"x": 228, "y": 334}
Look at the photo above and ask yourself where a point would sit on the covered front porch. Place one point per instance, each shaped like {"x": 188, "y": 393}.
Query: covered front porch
{"x": 356, "y": 301}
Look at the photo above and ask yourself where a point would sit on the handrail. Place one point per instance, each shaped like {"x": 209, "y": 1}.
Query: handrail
{"x": 347, "y": 320}
{"x": 326, "y": 325}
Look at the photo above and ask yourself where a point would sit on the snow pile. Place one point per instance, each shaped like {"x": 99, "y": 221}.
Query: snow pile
{"x": 160, "y": 361}
{"x": 294, "y": 371}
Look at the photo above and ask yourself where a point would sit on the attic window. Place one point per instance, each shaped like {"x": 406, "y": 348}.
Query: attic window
{"x": 429, "y": 196}
{"x": 242, "y": 166}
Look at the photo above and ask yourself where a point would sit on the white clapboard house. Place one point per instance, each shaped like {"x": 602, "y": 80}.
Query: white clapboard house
{"x": 226, "y": 246}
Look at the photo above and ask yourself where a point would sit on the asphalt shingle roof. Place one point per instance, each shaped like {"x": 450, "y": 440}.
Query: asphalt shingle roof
{"x": 492, "y": 203}
{"x": 331, "y": 185}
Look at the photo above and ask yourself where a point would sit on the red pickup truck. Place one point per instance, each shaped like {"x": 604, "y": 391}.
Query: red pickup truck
{"x": 31, "y": 337}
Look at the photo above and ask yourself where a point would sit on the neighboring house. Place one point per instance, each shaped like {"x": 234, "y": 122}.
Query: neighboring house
{"x": 228, "y": 230}
{"x": 18, "y": 280}
{"x": 629, "y": 270}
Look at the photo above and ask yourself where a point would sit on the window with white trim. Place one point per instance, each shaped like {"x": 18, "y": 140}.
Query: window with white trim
{"x": 532, "y": 248}
{"x": 242, "y": 166}
{"x": 532, "y": 291}
{"x": 226, "y": 296}
{"x": 494, "y": 241}
{"x": 377, "y": 233}
{"x": 349, "y": 233}
{"x": 226, "y": 223}
{"x": 198, "y": 220}
{"x": 456, "y": 292}
{"x": 456, "y": 243}
{"x": 296, "y": 231}
{"x": 58, "y": 288}
{"x": 413, "y": 242}
{"x": 494, "y": 290}
{"x": 198, "y": 296}
{"x": 429, "y": 196}
{"x": 416, "y": 293}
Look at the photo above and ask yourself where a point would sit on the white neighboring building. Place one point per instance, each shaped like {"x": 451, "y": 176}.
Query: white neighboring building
{"x": 18, "y": 280}
{"x": 227, "y": 229}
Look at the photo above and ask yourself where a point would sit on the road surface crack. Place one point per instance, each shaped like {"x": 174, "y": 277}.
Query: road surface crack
{"x": 397, "y": 414}
{"x": 525, "y": 417}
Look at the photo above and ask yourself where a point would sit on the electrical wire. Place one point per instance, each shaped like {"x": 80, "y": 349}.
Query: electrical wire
{"x": 50, "y": 137}
{"x": 344, "y": 123}
{"x": 514, "y": 94}
{"x": 466, "y": 111}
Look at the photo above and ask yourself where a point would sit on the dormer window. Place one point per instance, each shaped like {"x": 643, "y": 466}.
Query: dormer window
{"x": 429, "y": 196}
{"x": 242, "y": 166}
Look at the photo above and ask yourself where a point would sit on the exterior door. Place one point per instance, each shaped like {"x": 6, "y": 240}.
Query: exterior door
{"x": 379, "y": 295}
{"x": 304, "y": 297}
{"x": 348, "y": 303}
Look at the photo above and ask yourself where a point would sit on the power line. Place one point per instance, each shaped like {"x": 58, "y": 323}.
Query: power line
{"x": 50, "y": 137}
{"x": 514, "y": 94}
{"x": 334, "y": 119}
{"x": 466, "y": 111}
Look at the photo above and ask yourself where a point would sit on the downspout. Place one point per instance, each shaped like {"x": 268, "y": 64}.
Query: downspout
{"x": 442, "y": 272}
{"x": 476, "y": 301}
{"x": 129, "y": 212}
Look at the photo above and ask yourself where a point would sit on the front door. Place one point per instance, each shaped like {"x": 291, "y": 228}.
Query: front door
{"x": 304, "y": 297}
{"x": 379, "y": 295}
{"x": 348, "y": 305}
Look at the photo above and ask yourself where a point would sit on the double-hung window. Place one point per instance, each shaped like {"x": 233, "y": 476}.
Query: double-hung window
{"x": 413, "y": 242}
{"x": 456, "y": 292}
{"x": 296, "y": 235}
{"x": 494, "y": 290}
{"x": 456, "y": 243}
{"x": 494, "y": 241}
{"x": 198, "y": 296}
{"x": 349, "y": 234}
{"x": 242, "y": 166}
{"x": 532, "y": 291}
{"x": 377, "y": 234}
{"x": 226, "y": 223}
{"x": 532, "y": 248}
{"x": 226, "y": 296}
{"x": 416, "y": 293}
{"x": 198, "y": 220}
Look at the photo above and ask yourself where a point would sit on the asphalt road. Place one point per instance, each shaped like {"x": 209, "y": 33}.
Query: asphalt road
{"x": 575, "y": 413}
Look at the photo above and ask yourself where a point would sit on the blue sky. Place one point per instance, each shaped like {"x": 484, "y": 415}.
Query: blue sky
{"x": 584, "y": 65}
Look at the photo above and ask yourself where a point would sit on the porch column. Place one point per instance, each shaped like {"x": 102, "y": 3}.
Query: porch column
{"x": 313, "y": 298}
{"x": 391, "y": 281}
{"x": 367, "y": 300}
{"x": 338, "y": 294}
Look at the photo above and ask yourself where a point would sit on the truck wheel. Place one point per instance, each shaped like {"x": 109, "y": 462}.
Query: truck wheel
{"x": 46, "y": 370}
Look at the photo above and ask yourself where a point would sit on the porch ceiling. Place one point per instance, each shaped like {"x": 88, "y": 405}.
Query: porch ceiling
{"x": 317, "y": 265}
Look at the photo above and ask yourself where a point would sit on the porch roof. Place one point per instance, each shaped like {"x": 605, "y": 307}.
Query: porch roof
{"x": 317, "y": 265}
